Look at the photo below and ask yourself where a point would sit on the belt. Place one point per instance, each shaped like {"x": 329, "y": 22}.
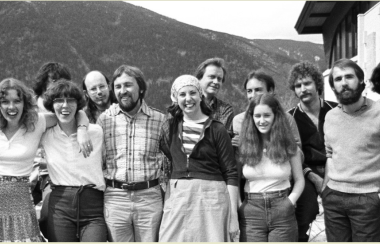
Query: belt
{"x": 270, "y": 194}
{"x": 133, "y": 186}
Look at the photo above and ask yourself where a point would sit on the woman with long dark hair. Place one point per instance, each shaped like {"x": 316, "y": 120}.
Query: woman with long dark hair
{"x": 201, "y": 197}
{"x": 270, "y": 157}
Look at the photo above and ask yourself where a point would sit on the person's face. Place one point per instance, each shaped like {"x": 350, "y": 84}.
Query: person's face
{"x": 211, "y": 81}
{"x": 127, "y": 92}
{"x": 346, "y": 85}
{"x": 12, "y": 107}
{"x": 52, "y": 77}
{"x": 65, "y": 109}
{"x": 97, "y": 89}
{"x": 263, "y": 117}
{"x": 255, "y": 87}
{"x": 306, "y": 89}
{"x": 189, "y": 100}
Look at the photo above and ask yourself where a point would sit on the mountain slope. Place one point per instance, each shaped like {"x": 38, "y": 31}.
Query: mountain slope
{"x": 103, "y": 35}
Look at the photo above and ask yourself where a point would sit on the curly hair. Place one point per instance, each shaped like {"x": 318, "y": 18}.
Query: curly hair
{"x": 29, "y": 115}
{"x": 63, "y": 88}
{"x": 282, "y": 145}
{"x": 218, "y": 62}
{"x": 375, "y": 79}
{"x": 303, "y": 70}
{"x": 57, "y": 69}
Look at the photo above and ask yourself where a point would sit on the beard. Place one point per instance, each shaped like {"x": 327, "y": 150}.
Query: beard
{"x": 130, "y": 104}
{"x": 349, "y": 98}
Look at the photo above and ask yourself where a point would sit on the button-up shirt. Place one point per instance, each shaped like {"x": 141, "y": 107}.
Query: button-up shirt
{"x": 132, "y": 144}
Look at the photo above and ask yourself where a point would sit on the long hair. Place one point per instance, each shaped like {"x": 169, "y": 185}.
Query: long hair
{"x": 176, "y": 114}
{"x": 282, "y": 145}
{"x": 29, "y": 113}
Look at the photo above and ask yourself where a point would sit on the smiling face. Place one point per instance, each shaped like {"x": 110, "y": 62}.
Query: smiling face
{"x": 65, "y": 109}
{"x": 97, "y": 89}
{"x": 189, "y": 101}
{"x": 306, "y": 90}
{"x": 211, "y": 81}
{"x": 263, "y": 117}
{"x": 12, "y": 107}
{"x": 127, "y": 93}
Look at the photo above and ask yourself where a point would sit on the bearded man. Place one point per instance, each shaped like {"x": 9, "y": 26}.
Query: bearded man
{"x": 350, "y": 190}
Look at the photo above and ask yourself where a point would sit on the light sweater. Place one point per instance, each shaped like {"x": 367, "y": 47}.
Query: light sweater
{"x": 17, "y": 154}
{"x": 66, "y": 165}
{"x": 353, "y": 143}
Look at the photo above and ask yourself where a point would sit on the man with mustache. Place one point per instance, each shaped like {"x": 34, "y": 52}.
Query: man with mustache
{"x": 350, "y": 191}
{"x": 211, "y": 75}
{"x": 132, "y": 200}
{"x": 306, "y": 81}
{"x": 98, "y": 93}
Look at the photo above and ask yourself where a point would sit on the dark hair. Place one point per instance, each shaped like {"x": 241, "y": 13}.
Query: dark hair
{"x": 59, "y": 71}
{"x": 29, "y": 114}
{"x": 218, "y": 62}
{"x": 63, "y": 88}
{"x": 89, "y": 103}
{"x": 177, "y": 115}
{"x": 261, "y": 76}
{"x": 282, "y": 145}
{"x": 344, "y": 63}
{"x": 375, "y": 79}
{"x": 303, "y": 70}
{"x": 133, "y": 72}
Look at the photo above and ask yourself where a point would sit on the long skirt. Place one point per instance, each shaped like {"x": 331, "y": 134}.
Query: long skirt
{"x": 195, "y": 211}
{"x": 18, "y": 220}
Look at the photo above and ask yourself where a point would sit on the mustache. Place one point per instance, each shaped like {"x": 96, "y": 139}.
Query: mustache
{"x": 305, "y": 94}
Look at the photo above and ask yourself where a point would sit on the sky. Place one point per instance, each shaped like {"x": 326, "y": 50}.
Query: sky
{"x": 249, "y": 19}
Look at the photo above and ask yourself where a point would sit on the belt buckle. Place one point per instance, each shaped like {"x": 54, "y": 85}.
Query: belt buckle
{"x": 128, "y": 186}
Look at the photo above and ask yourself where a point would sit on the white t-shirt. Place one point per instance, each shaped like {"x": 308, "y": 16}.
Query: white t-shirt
{"x": 17, "y": 154}
{"x": 267, "y": 176}
{"x": 66, "y": 165}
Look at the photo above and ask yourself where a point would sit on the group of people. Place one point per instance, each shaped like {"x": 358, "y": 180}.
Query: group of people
{"x": 108, "y": 167}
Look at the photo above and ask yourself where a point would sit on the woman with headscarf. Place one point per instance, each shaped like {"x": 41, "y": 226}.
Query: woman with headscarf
{"x": 201, "y": 197}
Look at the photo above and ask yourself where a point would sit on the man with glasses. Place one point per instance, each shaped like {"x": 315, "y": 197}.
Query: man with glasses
{"x": 98, "y": 93}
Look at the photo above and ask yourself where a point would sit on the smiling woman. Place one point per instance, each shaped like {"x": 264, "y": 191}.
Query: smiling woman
{"x": 75, "y": 179}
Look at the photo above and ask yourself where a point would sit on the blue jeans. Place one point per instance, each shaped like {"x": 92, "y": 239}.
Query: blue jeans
{"x": 267, "y": 217}
{"x": 62, "y": 215}
{"x": 133, "y": 216}
{"x": 351, "y": 217}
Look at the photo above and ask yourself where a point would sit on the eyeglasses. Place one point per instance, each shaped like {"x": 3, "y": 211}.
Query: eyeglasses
{"x": 68, "y": 100}
{"x": 94, "y": 89}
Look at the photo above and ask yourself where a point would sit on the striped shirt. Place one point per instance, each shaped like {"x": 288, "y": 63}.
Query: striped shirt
{"x": 131, "y": 144}
{"x": 191, "y": 132}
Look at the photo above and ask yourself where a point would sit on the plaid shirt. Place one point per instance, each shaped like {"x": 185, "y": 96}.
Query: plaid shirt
{"x": 131, "y": 144}
{"x": 222, "y": 112}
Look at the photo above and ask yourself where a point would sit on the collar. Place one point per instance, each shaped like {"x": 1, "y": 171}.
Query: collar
{"x": 366, "y": 103}
{"x": 214, "y": 103}
{"x": 144, "y": 108}
{"x": 59, "y": 131}
{"x": 321, "y": 103}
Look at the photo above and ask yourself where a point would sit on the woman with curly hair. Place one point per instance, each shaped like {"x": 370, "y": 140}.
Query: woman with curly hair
{"x": 270, "y": 157}
{"x": 201, "y": 197}
{"x": 21, "y": 128}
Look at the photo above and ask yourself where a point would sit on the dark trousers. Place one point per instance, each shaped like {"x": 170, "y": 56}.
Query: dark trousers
{"x": 62, "y": 215}
{"x": 351, "y": 217}
{"x": 307, "y": 210}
